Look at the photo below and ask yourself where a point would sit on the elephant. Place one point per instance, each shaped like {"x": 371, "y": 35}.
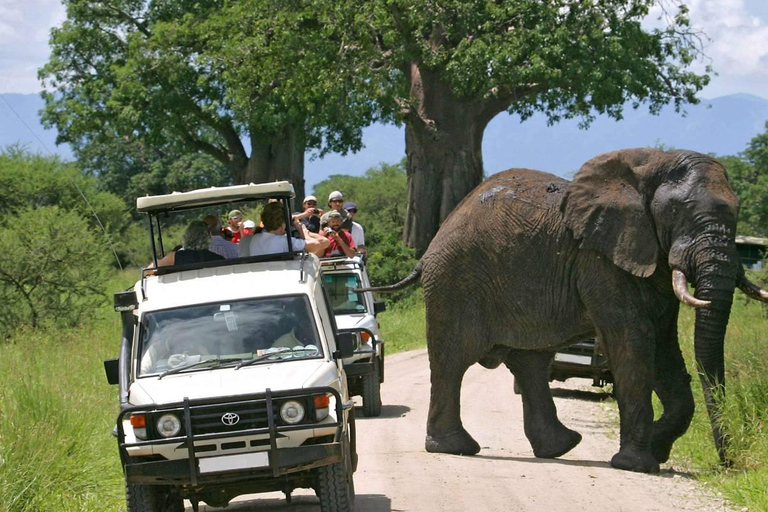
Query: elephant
{"x": 528, "y": 263}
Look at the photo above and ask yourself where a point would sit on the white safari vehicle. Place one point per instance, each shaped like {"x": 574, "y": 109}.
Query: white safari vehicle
{"x": 230, "y": 374}
{"x": 356, "y": 311}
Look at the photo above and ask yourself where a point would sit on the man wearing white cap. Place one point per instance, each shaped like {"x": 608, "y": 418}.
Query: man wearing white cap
{"x": 310, "y": 216}
{"x": 335, "y": 200}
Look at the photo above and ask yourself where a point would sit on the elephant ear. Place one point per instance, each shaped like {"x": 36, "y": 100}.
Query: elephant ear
{"x": 605, "y": 209}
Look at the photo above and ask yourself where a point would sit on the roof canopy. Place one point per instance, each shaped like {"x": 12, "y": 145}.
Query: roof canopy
{"x": 213, "y": 196}
{"x": 751, "y": 240}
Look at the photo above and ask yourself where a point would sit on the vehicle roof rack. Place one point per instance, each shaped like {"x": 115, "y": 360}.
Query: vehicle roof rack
{"x": 214, "y": 195}
{"x": 338, "y": 262}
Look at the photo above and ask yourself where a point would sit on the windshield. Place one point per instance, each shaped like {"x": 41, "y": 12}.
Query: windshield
{"x": 343, "y": 300}
{"x": 226, "y": 334}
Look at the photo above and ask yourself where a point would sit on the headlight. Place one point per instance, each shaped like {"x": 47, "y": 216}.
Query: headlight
{"x": 168, "y": 425}
{"x": 292, "y": 412}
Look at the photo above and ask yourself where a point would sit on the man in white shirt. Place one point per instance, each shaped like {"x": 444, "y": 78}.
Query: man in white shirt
{"x": 357, "y": 231}
{"x": 273, "y": 237}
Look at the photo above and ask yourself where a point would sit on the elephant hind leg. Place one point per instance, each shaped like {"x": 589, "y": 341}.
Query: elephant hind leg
{"x": 549, "y": 438}
{"x": 445, "y": 432}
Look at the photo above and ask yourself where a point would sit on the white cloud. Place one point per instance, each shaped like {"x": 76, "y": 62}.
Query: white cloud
{"x": 24, "y": 31}
{"x": 739, "y": 41}
{"x": 736, "y": 43}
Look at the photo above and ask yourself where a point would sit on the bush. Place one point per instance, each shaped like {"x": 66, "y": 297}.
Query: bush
{"x": 52, "y": 271}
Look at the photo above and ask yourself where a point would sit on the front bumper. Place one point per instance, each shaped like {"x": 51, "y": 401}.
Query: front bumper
{"x": 260, "y": 464}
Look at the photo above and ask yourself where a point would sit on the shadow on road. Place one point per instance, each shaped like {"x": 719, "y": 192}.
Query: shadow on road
{"x": 665, "y": 472}
{"x": 366, "y": 502}
{"x": 563, "y": 462}
{"x": 578, "y": 394}
{"x": 387, "y": 411}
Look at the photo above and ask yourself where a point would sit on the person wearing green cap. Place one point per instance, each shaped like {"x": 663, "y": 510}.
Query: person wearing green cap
{"x": 234, "y": 229}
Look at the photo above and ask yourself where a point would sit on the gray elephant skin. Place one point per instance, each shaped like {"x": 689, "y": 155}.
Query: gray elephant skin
{"x": 528, "y": 263}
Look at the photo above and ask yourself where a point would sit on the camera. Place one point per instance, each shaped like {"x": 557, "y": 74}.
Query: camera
{"x": 315, "y": 211}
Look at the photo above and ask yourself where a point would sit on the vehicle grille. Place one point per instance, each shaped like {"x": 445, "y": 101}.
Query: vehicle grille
{"x": 207, "y": 419}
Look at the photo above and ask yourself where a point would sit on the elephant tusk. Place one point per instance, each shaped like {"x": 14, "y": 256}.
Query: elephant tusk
{"x": 752, "y": 290}
{"x": 680, "y": 284}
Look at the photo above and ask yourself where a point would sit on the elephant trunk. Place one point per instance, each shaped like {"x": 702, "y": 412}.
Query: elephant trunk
{"x": 715, "y": 281}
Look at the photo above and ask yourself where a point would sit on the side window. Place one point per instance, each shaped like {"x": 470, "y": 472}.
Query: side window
{"x": 326, "y": 318}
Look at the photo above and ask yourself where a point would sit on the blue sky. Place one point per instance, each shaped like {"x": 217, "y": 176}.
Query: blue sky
{"x": 737, "y": 29}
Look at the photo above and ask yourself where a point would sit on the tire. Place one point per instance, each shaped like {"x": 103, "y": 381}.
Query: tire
{"x": 335, "y": 484}
{"x": 372, "y": 392}
{"x": 152, "y": 498}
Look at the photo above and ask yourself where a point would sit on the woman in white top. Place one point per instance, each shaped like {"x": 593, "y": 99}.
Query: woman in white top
{"x": 273, "y": 239}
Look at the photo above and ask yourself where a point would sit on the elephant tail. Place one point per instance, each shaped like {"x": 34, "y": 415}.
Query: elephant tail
{"x": 414, "y": 276}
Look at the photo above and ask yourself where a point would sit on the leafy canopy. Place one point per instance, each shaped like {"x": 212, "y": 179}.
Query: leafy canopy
{"x": 565, "y": 58}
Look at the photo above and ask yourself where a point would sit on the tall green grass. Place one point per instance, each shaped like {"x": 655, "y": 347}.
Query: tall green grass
{"x": 745, "y": 409}
{"x": 403, "y": 325}
{"x": 56, "y": 416}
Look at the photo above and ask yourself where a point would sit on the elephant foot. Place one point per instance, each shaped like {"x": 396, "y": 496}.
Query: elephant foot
{"x": 660, "y": 449}
{"x": 633, "y": 460}
{"x": 458, "y": 442}
{"x": 556, "y": 444}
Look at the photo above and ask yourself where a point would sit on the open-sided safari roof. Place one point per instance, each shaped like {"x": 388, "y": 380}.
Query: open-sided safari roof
{"x": 213, "y": 196}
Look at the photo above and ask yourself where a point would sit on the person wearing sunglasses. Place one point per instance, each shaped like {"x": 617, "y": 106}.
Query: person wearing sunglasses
{"x": 335, "y": 202}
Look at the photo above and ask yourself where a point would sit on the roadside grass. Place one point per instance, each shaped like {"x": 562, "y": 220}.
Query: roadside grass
{"x": 403, "y": 326}
{"x": 745, "y": 411}
{"x": 56, "y": 416}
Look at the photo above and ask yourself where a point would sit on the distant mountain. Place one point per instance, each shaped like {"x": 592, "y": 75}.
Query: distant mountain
{"x": 722, "y": 125}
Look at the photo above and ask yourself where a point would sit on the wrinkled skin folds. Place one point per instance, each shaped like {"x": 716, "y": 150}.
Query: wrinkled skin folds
{"x": 529, "y": 262}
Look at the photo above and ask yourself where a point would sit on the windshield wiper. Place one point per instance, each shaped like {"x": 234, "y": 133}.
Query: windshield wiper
{"x": 207, "y": 362}
{"x": 280, "y": 351}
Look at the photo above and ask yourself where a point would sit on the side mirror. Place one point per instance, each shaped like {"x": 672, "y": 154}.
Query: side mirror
{"x": 125, "y": 301}
{"x": 347, "y": 342}
{"x": 112, "y": 369}
{"x": 379, "y": 307}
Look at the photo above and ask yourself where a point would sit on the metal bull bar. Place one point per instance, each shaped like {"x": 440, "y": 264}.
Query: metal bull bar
{"x": 183, "y": 471}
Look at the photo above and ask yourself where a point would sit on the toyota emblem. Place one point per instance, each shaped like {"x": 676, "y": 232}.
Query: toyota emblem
{"x": 230, "y": 419}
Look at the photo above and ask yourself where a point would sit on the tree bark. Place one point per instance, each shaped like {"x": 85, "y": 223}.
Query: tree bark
{"x": 276, "y": 158}
{"x": 443, "y": 145}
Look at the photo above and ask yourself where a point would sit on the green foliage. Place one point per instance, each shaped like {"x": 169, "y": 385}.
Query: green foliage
{"x": 33, "y": 180}
{"x": 159, "y": 80}
{"x": 565, "y": 59}
{"x": 748, "y": 175}
{"x": 56, "y": 417}
{"x": 52, "y": 270}
{"x": 404, "y": 325}
{"x": 130, "y": 169}
{"x": 379, "y": 196}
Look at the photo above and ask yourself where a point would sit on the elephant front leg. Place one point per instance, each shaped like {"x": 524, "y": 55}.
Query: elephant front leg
{"x": 549, "y": 438}
{"x": 673, "y": 387}
{"x": 445, "y": 432}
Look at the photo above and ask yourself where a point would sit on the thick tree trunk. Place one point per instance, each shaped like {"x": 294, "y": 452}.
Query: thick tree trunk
{"x": 443, "y": 143}
{"x": 277, "y": 158}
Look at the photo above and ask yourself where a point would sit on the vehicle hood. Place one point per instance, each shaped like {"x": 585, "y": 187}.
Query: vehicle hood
{"x": 357, "y": 321}
{"x": 212, "y": 383}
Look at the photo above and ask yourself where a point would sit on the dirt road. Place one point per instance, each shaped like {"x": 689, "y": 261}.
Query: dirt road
{"x": 395, "y": 474}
